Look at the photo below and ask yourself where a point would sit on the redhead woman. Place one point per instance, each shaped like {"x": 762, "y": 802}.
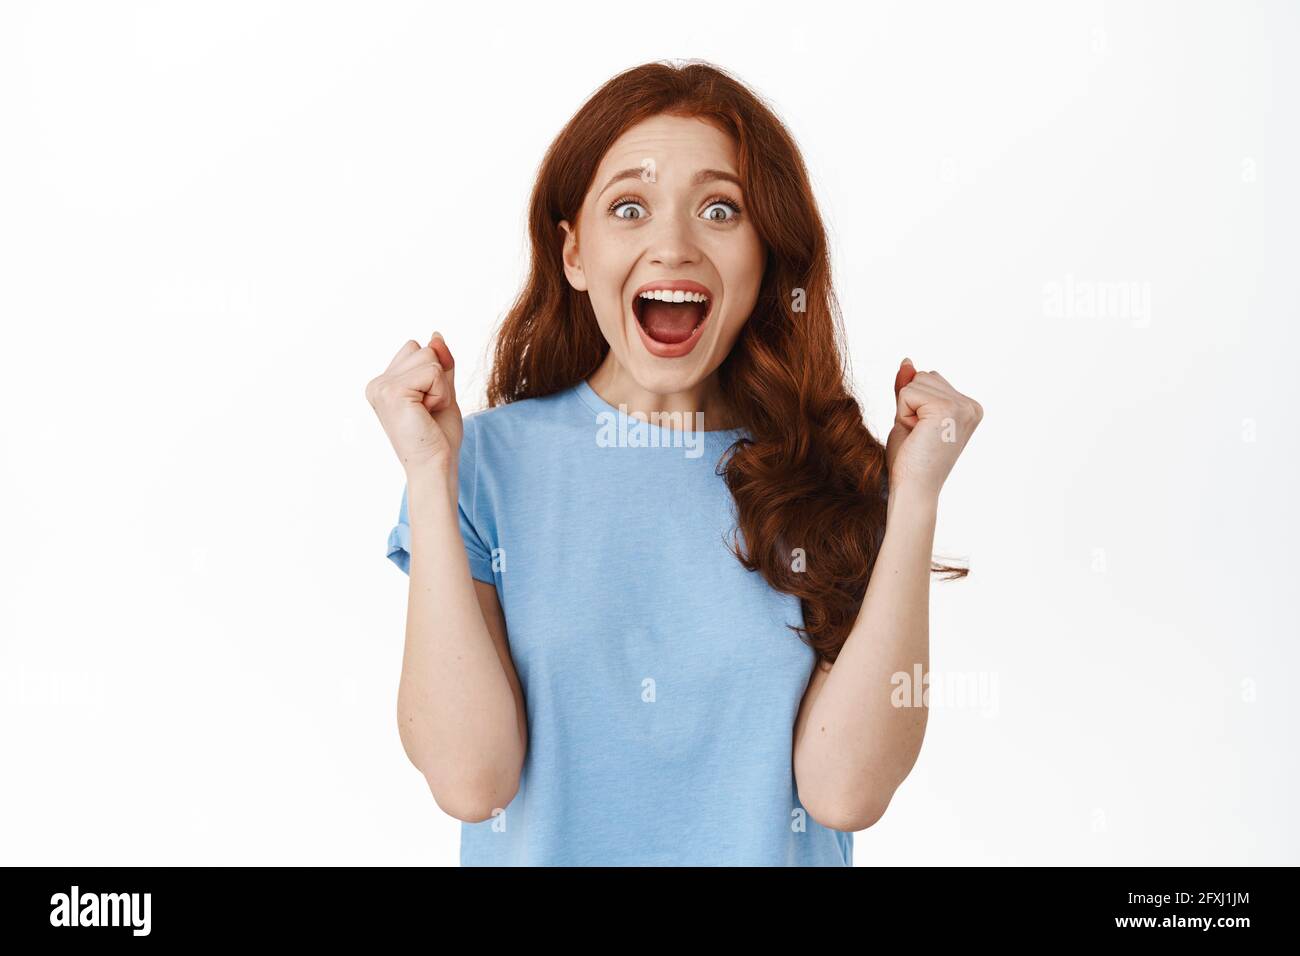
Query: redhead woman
{"x": 660, "y": 586}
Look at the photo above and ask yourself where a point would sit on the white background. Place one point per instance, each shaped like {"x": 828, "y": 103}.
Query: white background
{"x": 219, "y": 221}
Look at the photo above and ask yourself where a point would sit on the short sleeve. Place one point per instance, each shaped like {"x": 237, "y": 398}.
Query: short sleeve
{"x": 476, "y": 550}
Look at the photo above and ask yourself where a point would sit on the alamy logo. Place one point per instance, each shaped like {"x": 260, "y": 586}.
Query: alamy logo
{"x": 101, "y": 909}
{"x": 630, "y": 430}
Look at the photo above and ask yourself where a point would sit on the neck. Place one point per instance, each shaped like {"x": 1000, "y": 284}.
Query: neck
{"x": 613, "y": 383}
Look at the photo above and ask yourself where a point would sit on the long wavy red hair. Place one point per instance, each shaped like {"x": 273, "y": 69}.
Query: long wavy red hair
{"x": 812, "y": 477}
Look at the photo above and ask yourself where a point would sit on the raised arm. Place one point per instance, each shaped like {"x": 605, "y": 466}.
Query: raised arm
{"x": 852, "y": 745}
{"x": 460, "y": 708}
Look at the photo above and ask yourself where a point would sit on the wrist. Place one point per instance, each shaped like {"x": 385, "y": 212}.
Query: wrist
{"x": 435, "y": 474}
{"x": 913, "y": 499}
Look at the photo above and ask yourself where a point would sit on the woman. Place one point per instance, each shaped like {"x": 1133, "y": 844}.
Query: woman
{"x": 592, "y": 672}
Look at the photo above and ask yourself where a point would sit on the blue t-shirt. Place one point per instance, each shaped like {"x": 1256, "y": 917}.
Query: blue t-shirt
{"x": 660, "y": 680}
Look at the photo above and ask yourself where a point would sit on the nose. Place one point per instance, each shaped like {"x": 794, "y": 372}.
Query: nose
{"x": 672, "y": 245}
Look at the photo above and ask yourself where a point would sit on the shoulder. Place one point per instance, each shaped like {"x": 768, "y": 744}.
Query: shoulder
{"x": 515, "y": 427}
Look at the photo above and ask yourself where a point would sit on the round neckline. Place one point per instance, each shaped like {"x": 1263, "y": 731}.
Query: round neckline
{"x": 597, "y": 404}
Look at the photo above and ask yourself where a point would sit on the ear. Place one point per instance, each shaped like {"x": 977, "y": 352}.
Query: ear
{"x": 572, "y": 262}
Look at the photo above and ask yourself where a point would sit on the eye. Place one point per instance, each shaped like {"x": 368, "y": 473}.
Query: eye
{"x": 719, "y": 203}
{"x": 630, "y": 201}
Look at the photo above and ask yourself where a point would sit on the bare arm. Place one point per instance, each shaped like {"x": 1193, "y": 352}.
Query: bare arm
{"x": 852, "y": 746}
{"x": 460, "y": 707}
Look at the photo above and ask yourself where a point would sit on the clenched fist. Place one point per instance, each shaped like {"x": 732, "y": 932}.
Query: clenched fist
{"x": 932, "y": 424}
{"x": 415, "y": 399}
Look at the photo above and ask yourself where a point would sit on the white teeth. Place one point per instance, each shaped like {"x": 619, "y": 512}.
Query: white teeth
{"x": 664, "y": 295}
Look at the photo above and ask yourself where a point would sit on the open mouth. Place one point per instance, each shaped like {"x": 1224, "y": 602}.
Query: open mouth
{"x": 671, "y": 316}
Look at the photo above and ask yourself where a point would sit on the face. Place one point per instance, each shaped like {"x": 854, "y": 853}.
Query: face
{"x": 665, "y": 211}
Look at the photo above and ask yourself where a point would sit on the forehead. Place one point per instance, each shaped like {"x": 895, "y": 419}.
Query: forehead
{"x": 678, "y": 145}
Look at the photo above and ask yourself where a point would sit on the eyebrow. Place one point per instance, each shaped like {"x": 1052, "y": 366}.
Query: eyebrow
{"x": 699, "y": 179}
